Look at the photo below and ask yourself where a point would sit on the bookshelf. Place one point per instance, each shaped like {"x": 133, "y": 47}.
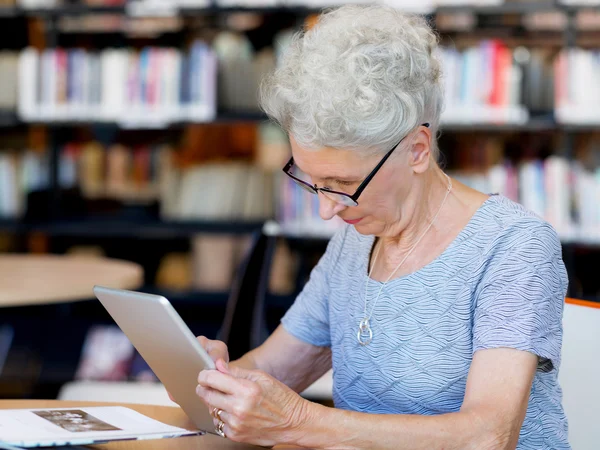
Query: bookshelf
{"x": 543, "y": 122}
{"x": 127, "y": 228}
{"x": 535, "y": 123}
{"x": 10, "y": 119}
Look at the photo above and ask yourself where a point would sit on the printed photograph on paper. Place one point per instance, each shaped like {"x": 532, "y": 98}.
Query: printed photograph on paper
{"x": 75, "y": 420}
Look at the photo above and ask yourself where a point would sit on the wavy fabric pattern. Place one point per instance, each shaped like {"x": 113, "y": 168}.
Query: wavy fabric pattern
{"x": 500, "y": 283}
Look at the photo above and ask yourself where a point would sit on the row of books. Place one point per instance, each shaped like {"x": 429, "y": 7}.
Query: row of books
{"x": 577, "y": 86}
{"x": 493, "y": 83}
{"x": 483, "y": 84}
{"x": 117, "y": 172}
{"x": 140, "y": 27}
{"x": 488, "y": 83}
{"x": 152, "y": 86}
{"x": 212, "y": 191}
{"x": 566, "y": 194}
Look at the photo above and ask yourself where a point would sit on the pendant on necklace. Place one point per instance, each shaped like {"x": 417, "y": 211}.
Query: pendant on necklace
{"x": 365, "y": 334}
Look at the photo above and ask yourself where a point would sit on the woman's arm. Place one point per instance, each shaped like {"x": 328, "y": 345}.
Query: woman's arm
{"x": 288, "y": 359}
{"x": 257, "y": 409}
{"x": 493, "y": 411}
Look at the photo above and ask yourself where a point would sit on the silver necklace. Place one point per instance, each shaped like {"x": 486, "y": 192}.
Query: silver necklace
{"x": 365, "y": 333}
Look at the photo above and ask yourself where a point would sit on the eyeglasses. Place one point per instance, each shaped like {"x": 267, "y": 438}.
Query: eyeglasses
{"x": 340, "y": 197}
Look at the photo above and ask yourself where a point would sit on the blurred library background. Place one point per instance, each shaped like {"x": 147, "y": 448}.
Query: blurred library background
{"x": 130, "y": 130}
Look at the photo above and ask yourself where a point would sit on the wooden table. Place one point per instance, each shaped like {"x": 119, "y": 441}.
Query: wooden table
{"x": 44, "y": 279}
{"x": 169, "y": 415}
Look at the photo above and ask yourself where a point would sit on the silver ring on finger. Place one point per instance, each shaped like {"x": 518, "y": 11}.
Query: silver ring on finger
{"x": 220, "y": 428}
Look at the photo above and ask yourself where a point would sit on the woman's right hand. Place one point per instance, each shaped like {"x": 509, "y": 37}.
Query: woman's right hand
{"x": 215, "y": 349}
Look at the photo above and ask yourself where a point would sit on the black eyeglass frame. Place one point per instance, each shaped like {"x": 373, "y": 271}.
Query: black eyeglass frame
{"x": 354, "y": 197}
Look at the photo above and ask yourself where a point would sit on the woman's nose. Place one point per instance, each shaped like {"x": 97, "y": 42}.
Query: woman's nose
{"x": 328, "y": 208}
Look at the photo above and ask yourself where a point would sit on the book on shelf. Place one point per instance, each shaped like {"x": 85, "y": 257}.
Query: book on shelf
{"x": 538, "y": 79}
{"x": 152, "y": 87}
{"x": 577, "y": 86}
{"x": 20, "y": 173}
{"x": 9, "y": 65}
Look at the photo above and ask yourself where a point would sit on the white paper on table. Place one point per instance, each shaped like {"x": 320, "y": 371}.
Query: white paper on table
{"x": 80, "y": 426}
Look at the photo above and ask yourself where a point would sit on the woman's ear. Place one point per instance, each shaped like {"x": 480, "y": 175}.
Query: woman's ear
{"x": 420, "y": 152}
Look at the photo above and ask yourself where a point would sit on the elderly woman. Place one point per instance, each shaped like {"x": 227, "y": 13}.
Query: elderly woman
{"x": 438, "y": 307}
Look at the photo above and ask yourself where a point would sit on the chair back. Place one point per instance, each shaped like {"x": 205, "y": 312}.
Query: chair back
{"x": 244, "y": 326}
{"x": 579, "y": 371}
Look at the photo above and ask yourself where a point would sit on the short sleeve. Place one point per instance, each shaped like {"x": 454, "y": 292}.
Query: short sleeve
{"x": 520, "y": 299}
{"x": 308, "y": 318}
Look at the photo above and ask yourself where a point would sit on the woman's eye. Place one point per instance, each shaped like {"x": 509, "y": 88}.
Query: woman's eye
{"x": 345, "y": 183}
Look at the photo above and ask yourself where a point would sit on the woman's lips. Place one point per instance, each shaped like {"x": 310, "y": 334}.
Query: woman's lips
{"x": 353, "y": 221}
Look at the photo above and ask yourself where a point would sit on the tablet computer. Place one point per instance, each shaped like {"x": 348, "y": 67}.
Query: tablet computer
{"x": 166, "y": 343}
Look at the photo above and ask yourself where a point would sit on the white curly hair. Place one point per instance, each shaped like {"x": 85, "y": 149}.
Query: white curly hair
{"x": 362, "y": 78}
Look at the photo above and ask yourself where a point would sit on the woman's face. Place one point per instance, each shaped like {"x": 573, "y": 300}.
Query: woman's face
{"x": 380, "y": 204}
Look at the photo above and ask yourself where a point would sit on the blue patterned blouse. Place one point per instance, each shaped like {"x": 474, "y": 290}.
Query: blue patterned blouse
{"x": 500, "y": 283}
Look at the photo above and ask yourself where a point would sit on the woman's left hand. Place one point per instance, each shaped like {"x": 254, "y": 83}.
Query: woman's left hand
{"x": 256, "y": 408}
